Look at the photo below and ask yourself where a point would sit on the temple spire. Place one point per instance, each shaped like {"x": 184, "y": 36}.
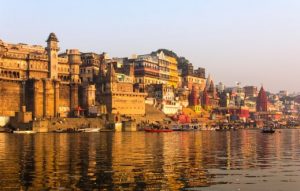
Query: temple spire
{"x": 111, "y": 74}
{"x": 262, "y": 101}
{"x": 208, "y": 80}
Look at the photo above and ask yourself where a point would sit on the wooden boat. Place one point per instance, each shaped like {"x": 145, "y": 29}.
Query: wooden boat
{"x": 89, "y": 130}
{"x": 158, "y": 130}
{"x": 268, "y": 130}
{"x": 186, "y": 127}
{"x": 176, "y": 127}
{"x": 69, "y": 130}
{"x": 195, "y": 126}
{"x": 24, "y": 132}
{"x": 59, "y": 131}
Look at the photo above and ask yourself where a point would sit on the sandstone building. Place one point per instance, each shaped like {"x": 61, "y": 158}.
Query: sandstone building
{"x": 155, "y": 68}
{"x": 191, "y": 77}
{"x": 39, "y": 78}
{"x": 118, "y": 93}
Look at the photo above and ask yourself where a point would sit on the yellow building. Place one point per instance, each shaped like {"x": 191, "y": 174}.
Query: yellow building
{"x": 146, "y": 71}
{"x": 174, "y": 79}
{"x": 168, "y": 71}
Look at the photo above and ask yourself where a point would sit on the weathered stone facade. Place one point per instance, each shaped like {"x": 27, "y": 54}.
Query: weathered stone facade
{"x": 38, "y": 78}
{"x": 10, "y": 97}
{"x": 119, "y": 96}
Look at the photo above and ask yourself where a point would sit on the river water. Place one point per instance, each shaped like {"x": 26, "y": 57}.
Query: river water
{"x": 203, "y": 160}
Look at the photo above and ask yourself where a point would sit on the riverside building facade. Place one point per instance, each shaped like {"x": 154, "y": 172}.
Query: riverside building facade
{"x": 44, "y": 83}
{"x": 47, "y": 83}
{"x": 38, "y": 78}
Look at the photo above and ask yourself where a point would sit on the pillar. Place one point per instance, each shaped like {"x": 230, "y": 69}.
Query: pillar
{"x": 56, "y": 98}
{"x": 37, "y": 100}
{"x": 73, "y": 96}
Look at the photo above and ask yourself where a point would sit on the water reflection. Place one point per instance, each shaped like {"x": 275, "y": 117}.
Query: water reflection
{"x": 237, "y": 160}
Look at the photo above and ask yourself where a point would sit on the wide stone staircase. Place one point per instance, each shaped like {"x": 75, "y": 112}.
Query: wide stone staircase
{"x": 152, "y": 114}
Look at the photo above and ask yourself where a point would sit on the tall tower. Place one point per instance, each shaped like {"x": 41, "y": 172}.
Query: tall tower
{"x": 74, "y": 61}
{"x": 111, "y": 79}
{"x": 2, "y": 48}
{"x": 194, "y": 96}
{"x": 52, "y": 50}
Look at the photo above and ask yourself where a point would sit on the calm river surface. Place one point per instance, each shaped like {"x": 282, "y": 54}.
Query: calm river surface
{"x": 204, "y": 160}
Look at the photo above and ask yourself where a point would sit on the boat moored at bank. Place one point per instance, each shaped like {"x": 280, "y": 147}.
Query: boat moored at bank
{"x": 158, "y": 130}
{"x": 24, "y": 132}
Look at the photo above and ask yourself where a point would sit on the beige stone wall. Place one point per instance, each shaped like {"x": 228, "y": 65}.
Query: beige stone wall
{"x": 10, "y": 97}
{"x": 37, "y": 74}
{"x": 87, "y": 96}
{"x": 74, "y": 96}
{"x": 64, "y": 95}
{"x": 49, "y": 98}
{"x": 42, "y": 98}
{"x": 41, "y": 68}
{"x": 38, "y": 101}
{"x": 124, "y": 87}
{"x": 128, "y": 105}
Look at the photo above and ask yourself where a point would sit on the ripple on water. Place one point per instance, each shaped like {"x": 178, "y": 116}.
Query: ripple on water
{"x": 204, "y": 160}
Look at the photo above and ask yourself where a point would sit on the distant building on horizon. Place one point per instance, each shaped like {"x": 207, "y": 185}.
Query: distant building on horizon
{"x": 283, "y": 93}
{"x": 250, "y": 91}
{"x": 220, "y": 87}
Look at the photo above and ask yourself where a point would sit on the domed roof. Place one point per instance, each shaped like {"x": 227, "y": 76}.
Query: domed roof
{"x": 52, "y": 37}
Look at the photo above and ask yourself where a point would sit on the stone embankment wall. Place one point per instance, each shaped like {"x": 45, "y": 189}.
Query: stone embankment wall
{"x": 76, "y": 123}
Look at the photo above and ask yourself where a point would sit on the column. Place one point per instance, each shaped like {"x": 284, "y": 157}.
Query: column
{"x": 56, "y": 98}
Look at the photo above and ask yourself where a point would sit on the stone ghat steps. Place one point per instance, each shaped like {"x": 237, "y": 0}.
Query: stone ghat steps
{"x": 152, "y": 114}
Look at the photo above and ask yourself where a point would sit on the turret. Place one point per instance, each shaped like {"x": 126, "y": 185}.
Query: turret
{"x": 111, "y": 78}
{"x": 75, "y": 62}
{"x": 2, "y": 48}
{"x": 194, "y": 96}
{"x": 52, "y": 50}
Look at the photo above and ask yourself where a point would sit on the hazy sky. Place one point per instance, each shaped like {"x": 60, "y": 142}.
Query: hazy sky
{"x": 251, "y": 41}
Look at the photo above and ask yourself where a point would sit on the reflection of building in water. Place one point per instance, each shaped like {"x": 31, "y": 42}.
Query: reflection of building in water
{"x": 138, "y": 161}
{"x": 158, "y": 162}
{"x": 3, "y": 144}
{"x": 248, "y": 148}
{"x": 129, "y": 166}
{"x": 55, "y": 161}
{"x": 228, "y": 151}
